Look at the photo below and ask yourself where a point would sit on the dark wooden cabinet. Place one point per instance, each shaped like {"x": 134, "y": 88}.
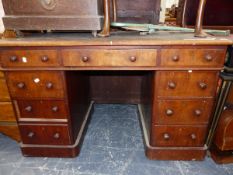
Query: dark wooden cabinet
{"x": 53, "y": 14}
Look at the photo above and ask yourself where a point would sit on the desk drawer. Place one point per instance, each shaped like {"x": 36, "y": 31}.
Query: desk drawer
{"x": 193, "y": 57}
{"x": 4, "y": 94}
{"x": 184, "y": 136}
{"x": 36, "y": 84}
{"x": 186, "y": 84}
{"x": 29, "y": 58}
{"x": 45, "y": 134}
{"x": 47, "y": 109}
{"x": 7, "y": 112}
{"x": 183, "y": 111}
{"x": 95, "y": 58}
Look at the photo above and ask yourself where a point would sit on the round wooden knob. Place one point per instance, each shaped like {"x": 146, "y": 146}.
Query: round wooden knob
{"x": 203, "y": 85}
{"x": 44, "y": 59}
{"x": 197, "y": 112}
{"x": 132, "y": 58}
{"x": 13, "y": 58}
{"x": 49, "y": 85}
{"x": 172, "y": 85}
{"x": 166, "y": 136}
{"x": 175, "y": 58}
{"x": 48, "y": 2}
{"x": 208, "y": 57}
{"x": 85, "y": 59}
{"x": 193, "y": 136}
{"x": 28, "y": 109}
{"x": 169, "y": 112}
{"x": 31, "y": 134}
{"x": 21, "y": 85}
{"x": 55, "y": 109}
{"x": 56, "y": 136}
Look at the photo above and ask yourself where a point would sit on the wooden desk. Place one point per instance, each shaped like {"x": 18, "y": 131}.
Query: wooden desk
{"x": 54, "y": 79}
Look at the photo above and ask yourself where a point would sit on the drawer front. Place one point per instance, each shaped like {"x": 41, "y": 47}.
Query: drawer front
{"x": 10, "y": 130}
{"x": 48, "y": 109}
{"x": 1, "y": 74}
{"x": 186, "y": 84}
{"x": 7, "y": 112}
{"x": 4, "y": 94}
{"x": 29, "y": 58}
{"x": 127, "y": 58}
{"x": 53, "y": 7}
{"x": 178, "y": 136}
{"x": 183, "y": 111}
{"x": 45, "y": 134}
{"x": 193, "y": 57}
{"x": 36, "y": 84}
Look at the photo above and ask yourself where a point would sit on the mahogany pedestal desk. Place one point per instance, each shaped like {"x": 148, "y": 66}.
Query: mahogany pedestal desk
{"x": 55, "y": 79}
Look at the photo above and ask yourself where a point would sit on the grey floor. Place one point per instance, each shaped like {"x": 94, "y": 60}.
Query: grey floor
{"x": 112, "y": 146}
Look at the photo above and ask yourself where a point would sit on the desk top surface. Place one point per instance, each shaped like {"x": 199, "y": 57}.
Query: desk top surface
{"x": 116, "y": 39}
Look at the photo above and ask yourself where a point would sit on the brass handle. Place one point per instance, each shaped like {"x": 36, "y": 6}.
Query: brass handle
{"x": 49, "y": 85}
{"x": 13, "y": 58}
{"x": 172, "y": 85}
{"x": 169, "y": 112}
{"x": 21, "y": 85}
{"x": 44, "y": 59}
{"x": 175, "y": 58}
{"x": 166, "y": 136}
{"x": 85, "y": 59}
{"x": 56, "y": 136}
{"x": 133, "y": 58}
{"x": 197, "y": 112}
{"x": 208, "y": 57}
{"x": 202, "y": 85}
{"x": 55, "y": 109}
{"x": 193, "y": 136}
{"x": 31, "y": 134}
{"x": 28, "y": 109}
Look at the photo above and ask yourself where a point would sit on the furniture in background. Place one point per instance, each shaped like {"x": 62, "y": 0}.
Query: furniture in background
{"x": 174, "y": 82}
{"x": 68, "y": 15}
{"x": 138, "y": 11}
{"x": 221, "y": 134}
{"x": 58, "y": 15}
{"x": 8, "y": 125}
{"x": 218, "y": 14}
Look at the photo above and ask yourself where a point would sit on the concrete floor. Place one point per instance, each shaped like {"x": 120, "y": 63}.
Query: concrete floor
{"x": 112, "y": 146}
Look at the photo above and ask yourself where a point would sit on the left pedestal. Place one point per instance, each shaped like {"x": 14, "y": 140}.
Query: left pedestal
{"x": 52, "y": 111}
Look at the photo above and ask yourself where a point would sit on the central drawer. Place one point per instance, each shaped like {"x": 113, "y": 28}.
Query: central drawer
{"x": 45, "y": 134}
{"x": 47, "y": 109}
{"x": 95, "y": 57}
{"x": 36, "y": 84}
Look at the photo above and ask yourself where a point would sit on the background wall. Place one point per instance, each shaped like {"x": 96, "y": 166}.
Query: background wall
{"x": 169, "y": 3}
{"x": 1, "y": 15}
